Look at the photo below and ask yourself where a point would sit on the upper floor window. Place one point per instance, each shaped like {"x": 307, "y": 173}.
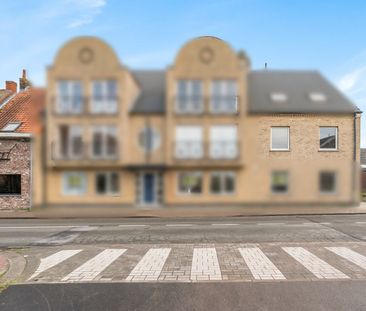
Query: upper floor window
{"x": 149, "y": 139}
{"x": 69, "y": 97}
{"x": 224, "y": 96}
{"x": 70, "y": 141}
{"x": 328, "y": 138}
{"x": 104, "y": 97}
{"x": 189, "y": 97}
{"x": 104, "y": 144}
{"x": 223, "y": 142}
{"x": 280, "y": 138}
{"x": 188, "y": 142}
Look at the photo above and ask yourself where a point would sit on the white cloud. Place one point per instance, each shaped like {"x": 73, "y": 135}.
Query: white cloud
{"x": 351, "y": 79}
{"x": 86, "y": 11}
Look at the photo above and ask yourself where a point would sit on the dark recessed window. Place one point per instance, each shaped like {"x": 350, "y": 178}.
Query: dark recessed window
{"x": 222, "y": 183}
{"x": 10, "y": 184}
{"x": 327, "y": 182}
{"x": 279, "y": 182}
{"x": 107, "y": 183}
{"x": 328, "y": 138}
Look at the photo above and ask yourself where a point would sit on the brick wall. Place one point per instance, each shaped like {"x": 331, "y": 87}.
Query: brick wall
{"x": 19, "y": 163}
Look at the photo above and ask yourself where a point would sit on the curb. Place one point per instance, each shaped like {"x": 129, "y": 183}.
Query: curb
{"x": 15, "y": 267}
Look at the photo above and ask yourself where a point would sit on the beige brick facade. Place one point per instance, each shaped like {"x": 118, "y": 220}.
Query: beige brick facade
{"x": 206, "y": 59}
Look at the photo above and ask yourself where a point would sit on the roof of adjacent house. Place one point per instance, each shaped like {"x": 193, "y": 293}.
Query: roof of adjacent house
{"x": 24, "y": 108}
{"x": 297, "y": 87}
{"x": 152, "y": 96}
{"x": 4, "y": 94}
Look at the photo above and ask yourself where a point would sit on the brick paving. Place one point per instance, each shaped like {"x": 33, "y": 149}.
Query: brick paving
{"x": 198, "y": 262}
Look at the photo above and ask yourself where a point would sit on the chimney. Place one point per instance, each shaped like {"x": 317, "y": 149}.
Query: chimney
{"x": 11, "y": 86}
{"x": 23, "y": 81}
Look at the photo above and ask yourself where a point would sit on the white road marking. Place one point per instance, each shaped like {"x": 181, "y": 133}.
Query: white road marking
{"x": 350, "y": 255}
{"x": 89, "y": 270}
{"x": 270, "y": 223}
{"x": 53, "y": 260}
{"x": 260, "y": 265}
{"x": 224, "y": 224}
{"x": 360, "y": 222}
{"x": 324, "y": 223}
{"x": 150, "y": 266}
{"x": 132, "y": 225}
{"x": 84, "y": 228}
{"x": 205, "y": 265}
{"x": 314, "y": 264}
{"x": 178, "y": 225}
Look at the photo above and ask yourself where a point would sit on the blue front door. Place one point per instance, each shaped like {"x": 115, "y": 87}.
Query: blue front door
{"x": 149, "y": 188}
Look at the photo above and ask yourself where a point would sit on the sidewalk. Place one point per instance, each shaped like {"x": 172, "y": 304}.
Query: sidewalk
{"x": 193, "y": 211}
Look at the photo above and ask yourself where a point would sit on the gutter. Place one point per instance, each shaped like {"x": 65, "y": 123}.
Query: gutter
{"x": 14, "y": 134}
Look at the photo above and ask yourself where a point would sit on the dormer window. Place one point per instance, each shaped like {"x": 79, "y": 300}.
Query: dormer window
{"x": 279, "y": 97}
{"x": 11, "y": 127}
{"x": 317, "y": 97}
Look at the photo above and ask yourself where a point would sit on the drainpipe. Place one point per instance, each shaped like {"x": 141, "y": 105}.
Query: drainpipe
{"x": 355, "y": 169}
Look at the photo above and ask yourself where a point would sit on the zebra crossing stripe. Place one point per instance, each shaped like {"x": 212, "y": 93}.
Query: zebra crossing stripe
{"x": 314, "y": 264}
{"x": 259, "y": 264}
{"x": 350, "y": 255}
{"x": 89, "y": 270}
{"x": 205, "y": 265}
{"x": 150, "y": 266}
{"x": 53, "y": 260}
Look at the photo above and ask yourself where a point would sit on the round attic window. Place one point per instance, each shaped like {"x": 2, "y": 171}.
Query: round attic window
{"x": 86, "y": 55}
{"x": 206, "y": 55}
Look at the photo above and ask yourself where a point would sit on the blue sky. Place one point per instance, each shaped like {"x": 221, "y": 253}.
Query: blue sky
{"x": 326, "y": 35}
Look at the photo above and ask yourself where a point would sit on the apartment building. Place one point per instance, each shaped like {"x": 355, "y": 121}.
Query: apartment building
{"x": 208, "y": 130}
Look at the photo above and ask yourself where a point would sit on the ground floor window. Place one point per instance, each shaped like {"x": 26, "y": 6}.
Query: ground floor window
{"x": 327, "y": 182}
{"x": 74, "y": 183}
{"x": 279, "y": 183}
{"x": 222, "y": 182}
{"x": 107, "y": 183}
{"x": 190, "y": 182}
{"x": 10, "y": 184}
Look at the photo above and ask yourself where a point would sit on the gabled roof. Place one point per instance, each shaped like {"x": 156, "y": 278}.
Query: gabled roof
{"x": 152, "y": 96}
{"x": 4, "y": 95}
{"x": 297, "y": 86}
{"x": 25, "y": 107}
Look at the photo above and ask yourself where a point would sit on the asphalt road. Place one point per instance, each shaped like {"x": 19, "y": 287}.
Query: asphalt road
{"x": 25, "y": 232}
{"x": 299, "y": 296}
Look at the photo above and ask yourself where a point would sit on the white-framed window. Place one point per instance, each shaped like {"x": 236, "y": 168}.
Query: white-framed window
{"x": 280, "y": 138}
{"x": 74, "y": 183}
{"x": 104, "y": 97}
{"x": 223, "y": 142}
{"x": 149, "y": 139}
{"x": 222, "y": 182}
{"x": 279, "y": 182}
{"x": 190, "y": 182}
{"x": 328, "y": 138}
{"x": 70, "y": 141}
{"x": 189, "y": 97}
{"x": 224, "y": 97}
{"x": 69, "y": 97}
{"x": 188, "y": 142}
{"x": 105, "y": 143}
{"x": 107, "y": 183}
{"x": 327, "y": 182}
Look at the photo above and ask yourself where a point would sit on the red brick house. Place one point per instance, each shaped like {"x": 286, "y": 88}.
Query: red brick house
{"x": 19, "y": 121}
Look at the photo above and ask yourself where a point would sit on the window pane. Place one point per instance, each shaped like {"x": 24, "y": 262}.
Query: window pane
{"x": 215, "y": 184}
{"x": 74, "y": 183}
{"x": 327, "y": 181}
{"x": 10, "y": 184}
{"x": 97, "y": 144}
{"x": 111, "y": 89}
{"x": 328, "y": 138}
{"x": 279, "y": 182}
{"x": 280, "y": 138}
{"x": 101, "y": 183}
{"x": 114, "y": 182}
{"x": 190, "y": 182}
{"x": 229, "y": 183}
